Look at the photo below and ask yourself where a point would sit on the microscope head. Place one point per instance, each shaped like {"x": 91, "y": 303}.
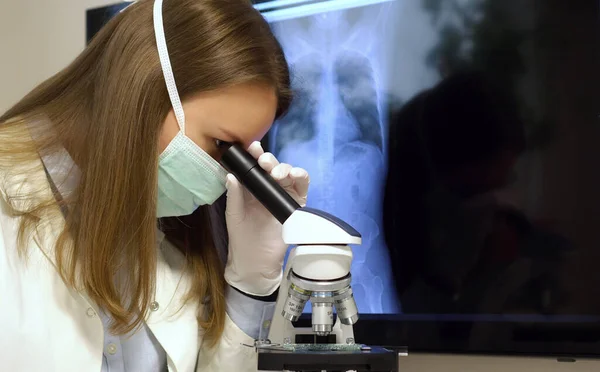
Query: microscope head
{"x": 318, "y": 268}
{"x": 301, "y": 226}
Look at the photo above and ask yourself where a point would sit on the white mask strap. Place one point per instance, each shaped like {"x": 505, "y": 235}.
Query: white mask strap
{"x": 165, "y": 63}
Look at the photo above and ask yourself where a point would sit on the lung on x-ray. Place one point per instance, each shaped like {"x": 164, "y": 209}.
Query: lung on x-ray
{"x": 336, "y": 126}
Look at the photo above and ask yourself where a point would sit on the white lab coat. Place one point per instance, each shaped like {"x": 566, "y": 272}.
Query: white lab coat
{"x": 45, "y": 326}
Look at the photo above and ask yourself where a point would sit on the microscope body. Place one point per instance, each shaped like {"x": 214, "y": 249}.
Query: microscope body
{"x": 317, "y": 270}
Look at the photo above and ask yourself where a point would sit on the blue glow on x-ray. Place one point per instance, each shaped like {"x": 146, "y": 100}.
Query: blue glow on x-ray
{"x": 291, "y": 9}
{"x": 336, "y": 126}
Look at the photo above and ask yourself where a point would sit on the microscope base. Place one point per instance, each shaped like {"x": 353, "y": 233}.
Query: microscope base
{"x": 368, "y": 359}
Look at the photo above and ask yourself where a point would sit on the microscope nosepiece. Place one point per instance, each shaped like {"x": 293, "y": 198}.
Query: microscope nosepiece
{"x": 325, "y": 296}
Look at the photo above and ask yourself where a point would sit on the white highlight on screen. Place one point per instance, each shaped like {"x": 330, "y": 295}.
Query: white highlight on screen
{"x": 280, "y": 3}
{"x": 302, "y": 10}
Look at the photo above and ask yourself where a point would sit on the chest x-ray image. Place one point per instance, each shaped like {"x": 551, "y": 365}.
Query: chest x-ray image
{"x": 336, "y": 126}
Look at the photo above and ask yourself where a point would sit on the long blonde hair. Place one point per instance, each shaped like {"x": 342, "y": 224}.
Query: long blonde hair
{"x": 106, "y": 109}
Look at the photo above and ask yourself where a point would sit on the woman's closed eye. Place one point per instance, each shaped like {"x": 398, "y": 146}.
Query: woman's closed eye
{"x": 219, "y": 143}
{"x": 220, "y": 146}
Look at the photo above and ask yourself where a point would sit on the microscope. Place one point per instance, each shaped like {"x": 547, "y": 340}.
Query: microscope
{"x": 317, "y": 271}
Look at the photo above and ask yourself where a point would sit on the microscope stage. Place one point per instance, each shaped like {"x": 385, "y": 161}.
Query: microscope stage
{"x": 303, "y": 358}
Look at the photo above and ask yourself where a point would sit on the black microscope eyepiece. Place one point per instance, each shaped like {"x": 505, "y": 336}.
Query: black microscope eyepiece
{"x": 265, "y": 189}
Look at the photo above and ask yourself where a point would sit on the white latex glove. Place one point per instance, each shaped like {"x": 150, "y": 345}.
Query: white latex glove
{"x": 256, "y": 247}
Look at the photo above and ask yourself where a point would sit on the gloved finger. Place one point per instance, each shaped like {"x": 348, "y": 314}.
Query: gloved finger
{"x": 301, "y": 181}
{"x": 235, "y": 198}
{"x": 281, "y": 174}
{"x": 256, "y": 150}
{"x": 268, "y": 161}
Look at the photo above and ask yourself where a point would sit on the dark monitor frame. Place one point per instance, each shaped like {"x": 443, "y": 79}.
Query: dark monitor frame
{"x": 96, "y": 18}
{"x": 539, "y": 338}
{"x": 555, "y": 339}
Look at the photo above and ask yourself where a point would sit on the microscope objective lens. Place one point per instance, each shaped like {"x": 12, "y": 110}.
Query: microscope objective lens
{"x": 345, "y": 306}
{"x": 295, "y": 303}
{"x": 322, "y": 317}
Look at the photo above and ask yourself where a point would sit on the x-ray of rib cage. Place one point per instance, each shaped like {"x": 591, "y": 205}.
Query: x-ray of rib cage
{"x": 335, "y": 128}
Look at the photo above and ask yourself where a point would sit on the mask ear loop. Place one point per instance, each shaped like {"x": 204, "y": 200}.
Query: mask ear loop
{"x": 165, "y": 62}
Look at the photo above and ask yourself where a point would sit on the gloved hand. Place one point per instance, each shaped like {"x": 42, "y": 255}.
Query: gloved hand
{"x": 256, "y": 248}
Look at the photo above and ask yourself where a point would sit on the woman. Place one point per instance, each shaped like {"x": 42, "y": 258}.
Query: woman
{"x": 90, "y": 159}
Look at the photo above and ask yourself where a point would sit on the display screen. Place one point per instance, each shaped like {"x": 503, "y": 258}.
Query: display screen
{"x": 460, "y": 138}
{"x": 96, "y": 18}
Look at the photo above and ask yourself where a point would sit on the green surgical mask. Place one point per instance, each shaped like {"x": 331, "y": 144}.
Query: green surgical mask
{"x": 188, "y": 177}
